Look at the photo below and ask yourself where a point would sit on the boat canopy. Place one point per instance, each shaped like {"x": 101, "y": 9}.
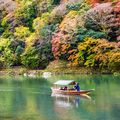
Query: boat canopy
{"x": 65, "y": 82}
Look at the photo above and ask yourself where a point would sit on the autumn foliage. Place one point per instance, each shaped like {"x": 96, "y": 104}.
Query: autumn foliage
{"x": 80, "y": 33}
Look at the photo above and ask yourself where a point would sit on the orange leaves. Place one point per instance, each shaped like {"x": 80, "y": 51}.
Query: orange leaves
{"x": 64, "y": 48}
{"x": 96, "y": 53}
{"x": 73, "y": 57}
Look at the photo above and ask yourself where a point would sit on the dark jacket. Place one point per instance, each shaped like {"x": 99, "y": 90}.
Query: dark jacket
{"x": 77, "y": 87}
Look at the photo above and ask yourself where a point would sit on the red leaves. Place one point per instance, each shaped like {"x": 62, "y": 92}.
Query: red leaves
{"x": 117, "y": 7}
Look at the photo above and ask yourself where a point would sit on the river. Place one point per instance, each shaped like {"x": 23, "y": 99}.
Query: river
{"x": 24, "y": 98}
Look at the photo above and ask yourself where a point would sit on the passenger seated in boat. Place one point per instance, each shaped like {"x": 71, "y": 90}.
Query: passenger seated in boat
{"x": 65, "y": 88}
{"x": 77, "y": 87}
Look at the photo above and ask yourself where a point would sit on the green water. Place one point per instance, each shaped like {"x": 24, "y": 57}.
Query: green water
{"x": 24, "y": 98}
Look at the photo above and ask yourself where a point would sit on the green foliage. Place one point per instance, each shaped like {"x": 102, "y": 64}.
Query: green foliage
{"x": 7, "y": 33}
{"x": 4, "y": 23}
{"x": 26, "y": 13}
{"x": 40, "y": 48}
{"x": 31, "y": 58}
{"x": 10, "y": 58}
{"x": 19, "y": 50}
{"x": 21, "y": 32}
{"x": 45, "y": 50}
{"x": 1, "y": 62}
{"x": 46, "y": 32}
{"x": 6, "y": 52}
{"x": 84, "y": 7}
{"x": 2, "y": 14}
{"x": 75, "y": 6}
{"x": 4, "y": 43}
{"x": 56, "y": 2}
{"x": 40, "y": 22}
{"x": 10, "y": 52}
{"x": 114, "y": 61}
{"x": 1, "y": 29}
{"x": 82, "y": 33}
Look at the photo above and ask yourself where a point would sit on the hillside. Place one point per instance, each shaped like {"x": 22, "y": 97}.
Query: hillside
{"x": 9, "y": 5}
{"x": 78, "y": 33}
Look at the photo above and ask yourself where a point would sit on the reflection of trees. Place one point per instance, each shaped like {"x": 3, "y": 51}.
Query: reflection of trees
{"x": 5, "y": 103}
{"x": 18, "y": 101}
{"x": 45, "y": 107}
{"x": 29, "y": 98}
{"x": 115, "y": 112}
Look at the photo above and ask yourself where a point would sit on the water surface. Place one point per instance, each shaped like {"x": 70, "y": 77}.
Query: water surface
{"x": 23, "y": 98}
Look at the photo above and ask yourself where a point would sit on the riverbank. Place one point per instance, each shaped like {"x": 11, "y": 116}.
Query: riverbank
{"x": 72, "y": 70}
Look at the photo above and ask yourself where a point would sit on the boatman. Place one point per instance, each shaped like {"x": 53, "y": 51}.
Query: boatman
{"x": 77, "y": 87}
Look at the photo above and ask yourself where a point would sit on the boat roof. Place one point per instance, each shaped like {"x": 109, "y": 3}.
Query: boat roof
{"x": 64, "y": 82}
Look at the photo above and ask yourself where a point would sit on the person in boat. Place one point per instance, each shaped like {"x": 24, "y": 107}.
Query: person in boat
{"x": 65, "y": 88}
{"x": 77, "y": 87}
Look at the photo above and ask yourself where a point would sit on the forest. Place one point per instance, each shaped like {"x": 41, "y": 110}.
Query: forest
{"x": 83, "y": 33}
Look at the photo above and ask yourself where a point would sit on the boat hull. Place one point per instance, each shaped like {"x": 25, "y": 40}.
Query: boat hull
{"x": 71, "y": 92}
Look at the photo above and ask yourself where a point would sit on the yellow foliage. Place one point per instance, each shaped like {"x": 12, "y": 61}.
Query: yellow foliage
{"x": 40, "y": 22}
{"x": 114, "y": 60}
{"x": 31, "y": 40}
{"x": 69, "y": 23}
{"x": 22, "y": 32}
{"x": 4, "y": 42}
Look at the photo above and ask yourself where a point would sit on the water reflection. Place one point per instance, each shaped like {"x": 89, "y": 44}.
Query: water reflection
{"x": 30, "y": 99}
{"x": 69, "y": 100}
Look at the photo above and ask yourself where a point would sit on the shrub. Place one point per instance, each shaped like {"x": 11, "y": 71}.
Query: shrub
{"x": 40, "y": 22}
{"x": 102, "y": 18}
{"x": 59, "y": 45}
{"x": 94, "y": 53}
{"x": 1, "y": 62}
{"x": 41, "y": 50}
{"x": 6, "y": 52}
{"x": 21, "y": 32}
{"x": 12, "y": 49}
{"x": 9, "y": 56}
{"x": 31, "y": 58}
{"x": 82, "y": 33}
{"x": 25, "y": 13}
{"x": 4, "y": 43}
{"x": 44, "y": 6}
{"x": 2, "y": 15}
{"x": 114, "y": 61}
{"x": 56, "y": 2}
{"x": 69, "y": 22}
{"x": 47, "y": 31}
{"x": 4, "y": 23}
{"x": 58, "y": 13}
{"x": 7, "y": 34}
{"x": 75, "y": 6}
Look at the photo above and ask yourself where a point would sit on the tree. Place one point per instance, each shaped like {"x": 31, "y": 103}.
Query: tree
{"x": 102, "y": 18}
{"x": 25, "y": 13}
{"x": 21, "y": 32}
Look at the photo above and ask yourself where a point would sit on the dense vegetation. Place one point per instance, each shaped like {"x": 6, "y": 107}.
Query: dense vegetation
{"x": 83, "y": 33}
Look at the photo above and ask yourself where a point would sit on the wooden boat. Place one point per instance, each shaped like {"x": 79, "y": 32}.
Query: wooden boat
{"x": 57, "y": 89}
